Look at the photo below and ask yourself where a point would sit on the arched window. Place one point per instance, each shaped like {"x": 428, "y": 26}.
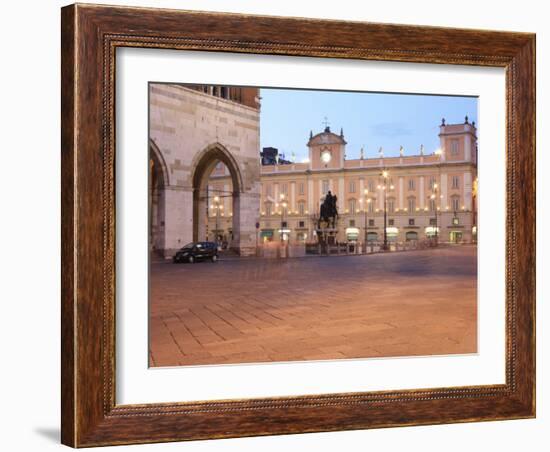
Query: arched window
{"x": 372, "y": 236}
{"x": 411, "y": 235}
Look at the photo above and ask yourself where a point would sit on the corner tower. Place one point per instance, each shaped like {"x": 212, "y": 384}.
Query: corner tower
{"x": 326, "y": 150}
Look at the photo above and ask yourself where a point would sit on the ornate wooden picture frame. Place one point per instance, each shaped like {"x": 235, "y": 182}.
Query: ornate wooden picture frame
{"x": 90, "y": 37}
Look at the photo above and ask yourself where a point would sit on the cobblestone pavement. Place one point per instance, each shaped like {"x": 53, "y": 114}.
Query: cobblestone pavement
{"x": 314, "y": 308}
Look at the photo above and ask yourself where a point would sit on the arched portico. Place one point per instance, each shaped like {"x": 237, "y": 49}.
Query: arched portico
{"x": 244, "y": 213}
{"x": 158, "y": 181}
{"x": 203, "y": 165}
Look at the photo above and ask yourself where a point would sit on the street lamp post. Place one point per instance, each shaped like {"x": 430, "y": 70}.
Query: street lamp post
{"x": 434, "y": 198}
{"x": 366, "y": 212}
{"x": 385, "y": 175}
{"x": 438, "y": 153}
{"x": 283, "y": 205}
{"x": 217, "y": 207}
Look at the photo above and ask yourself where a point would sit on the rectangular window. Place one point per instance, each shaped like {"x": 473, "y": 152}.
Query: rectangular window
{"x": 412, "y": 204}
{"x": 455, "y": 182}
{"x": 325, "y": 187}
{"x": 433, "y": 221}
{"x": 432, "y": 182}
{"x": 301, "y": 188}
{"x": 301, "y": 224}
{"x": 284, "y": 224}
{"x": 352, "y": 186}
{"x": 284, "y": 189}
{"x": 301, "y": 208}
{"x": 391, "y": 205}
{"x": 455, "y": 203}
{"x": 371, "y": 222}
{"x": 268, "y": 208}
{"x": 411, "y": 184}
{"x": 411, "y": 221}
{"x": 352, "y": 223}
{"x": 352, "y": 206}
{"x": 371, "y": 186}
{"x": 391, "y": 222}
{"x": 455, "y": 221}
{"x": 454, "y": 147}
{"x": 371, "y": 205}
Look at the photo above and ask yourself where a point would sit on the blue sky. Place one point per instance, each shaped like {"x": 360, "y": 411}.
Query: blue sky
{"x": 371, "y": 120}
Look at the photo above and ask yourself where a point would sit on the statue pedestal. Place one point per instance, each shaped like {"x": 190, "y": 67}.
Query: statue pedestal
{"x": 326, "y": 237}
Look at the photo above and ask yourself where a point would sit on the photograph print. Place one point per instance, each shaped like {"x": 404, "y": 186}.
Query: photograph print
{"x": 300, "y": 225}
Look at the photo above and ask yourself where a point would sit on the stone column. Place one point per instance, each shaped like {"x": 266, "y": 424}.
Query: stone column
{"x": 444, "y": 200}
{"x": 178, "y": 216}
{"x": 422, "y": 194}
{"x": 401, "y": 193}
{"x": 310, "y": 197}
{"x": 246, "y": 210}
{"x": 467, "y": 193}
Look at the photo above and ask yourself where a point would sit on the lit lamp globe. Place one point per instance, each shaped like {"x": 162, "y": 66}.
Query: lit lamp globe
{"x": 325, "y": 157}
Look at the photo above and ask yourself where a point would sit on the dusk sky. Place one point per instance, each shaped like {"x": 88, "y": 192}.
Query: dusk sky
{"x": 370, "y": 120}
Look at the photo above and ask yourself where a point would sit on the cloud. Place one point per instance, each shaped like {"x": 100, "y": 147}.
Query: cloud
{"x": 390, "y": 129}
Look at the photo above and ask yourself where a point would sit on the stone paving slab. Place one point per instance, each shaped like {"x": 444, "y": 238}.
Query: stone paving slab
{"x": 315, "y": 308}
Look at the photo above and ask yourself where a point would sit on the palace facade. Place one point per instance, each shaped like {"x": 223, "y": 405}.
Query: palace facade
{"x": 422, "y": 196}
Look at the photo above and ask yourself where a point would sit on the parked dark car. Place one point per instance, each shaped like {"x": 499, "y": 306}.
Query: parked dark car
{"x": 196, "y": 251}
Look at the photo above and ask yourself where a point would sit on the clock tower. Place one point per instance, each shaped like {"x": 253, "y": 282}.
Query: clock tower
{"x": 326, "y": 150}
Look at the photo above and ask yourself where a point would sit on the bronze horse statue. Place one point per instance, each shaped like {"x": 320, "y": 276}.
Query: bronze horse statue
{"x": 328, "y": 211}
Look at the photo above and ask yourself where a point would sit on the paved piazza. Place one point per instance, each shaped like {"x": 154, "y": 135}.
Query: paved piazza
{"x": 314, "y": 308}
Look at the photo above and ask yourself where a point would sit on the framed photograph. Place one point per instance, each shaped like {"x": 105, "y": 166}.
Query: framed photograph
{"x": 282, "y": 225}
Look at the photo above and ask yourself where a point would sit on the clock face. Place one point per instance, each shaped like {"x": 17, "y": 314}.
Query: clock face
{"x": 325, "y": 156}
